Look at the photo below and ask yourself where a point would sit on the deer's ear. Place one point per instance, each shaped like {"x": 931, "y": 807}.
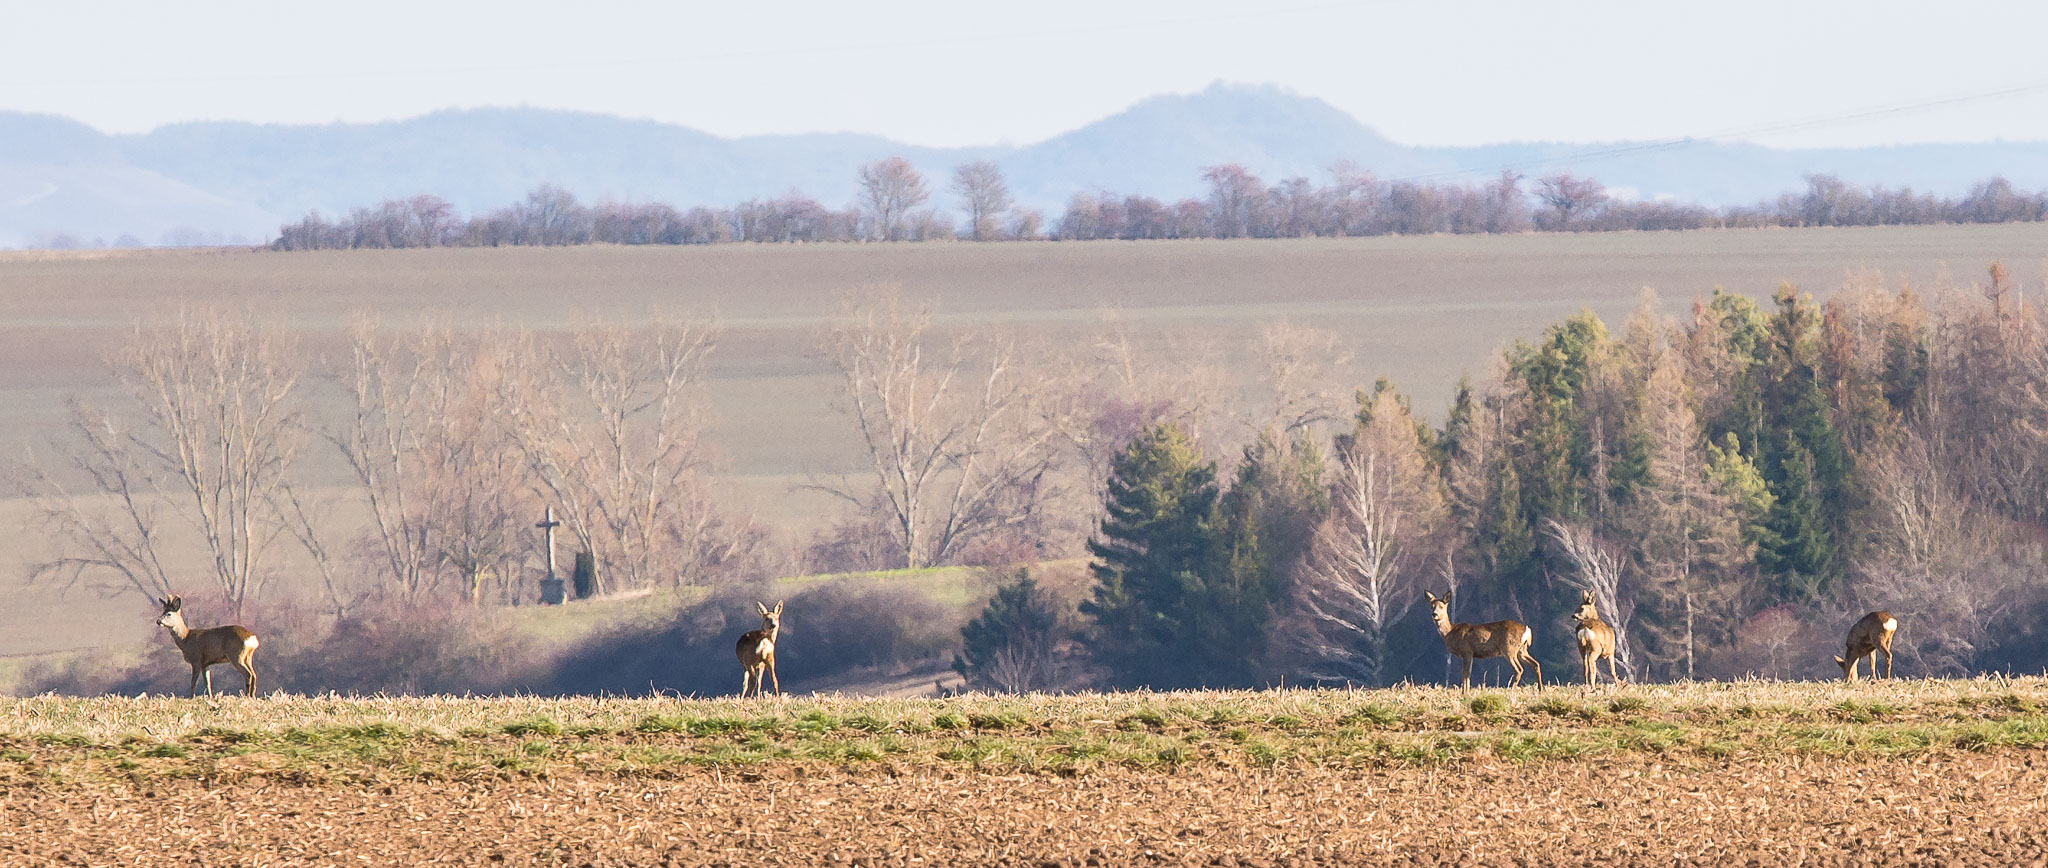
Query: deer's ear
{"x": 175, "y": 603}
{"x": 1589, "y": 596}
{"x": 1431, "y": 597}
{"x": 1839, "y": 661}
{"x": 762, "y": 606}
{"x": 778, "y": 606}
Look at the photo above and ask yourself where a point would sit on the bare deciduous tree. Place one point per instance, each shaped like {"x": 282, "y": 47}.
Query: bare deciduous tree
{"x": 1237, "y": 201}
{"x": 1301, "y": 367}
{"x": 1385, "y": 512}
{"x": 206, "y": 460}
{"x": 1687, "y": 530}
{"x": 981, "y": 188}
{"x": 1571, "y": 201}
{"x": 889, "y": 190}
{"x": 390, "y": 410}
{"x": 440, "y": 472}
{"x": 1598, "y": 568}
{"x": 1951, "y": 562}
{"x": 956, "y": 449}
{"x": 614, "y": 438}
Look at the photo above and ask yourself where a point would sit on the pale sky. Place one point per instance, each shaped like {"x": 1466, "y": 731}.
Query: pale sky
{"x": 1784, "y": 73}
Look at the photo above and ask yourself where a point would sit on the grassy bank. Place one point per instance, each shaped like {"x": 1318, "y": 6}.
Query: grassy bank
{"x": 317, "y": 740}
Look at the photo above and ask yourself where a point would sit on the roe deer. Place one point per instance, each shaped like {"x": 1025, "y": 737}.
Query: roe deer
{"x": 1596, "y": 640}
{"x": 210, "y": 645}
{"x": 1509, "y": 639}
{"x": 757, "y": 652}
{"x": 1870, "y": 634}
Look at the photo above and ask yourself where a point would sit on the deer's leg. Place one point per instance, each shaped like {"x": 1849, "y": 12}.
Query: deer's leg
{"x": 193, "y": 691}
{"x": 248, "y": 668}
{"x": 1610, "y": 670}
{"x": 1468, "y": 672}
{"x": 1533, "y": 665}
{"x": 772, "y": 677}
{"x": 1515, "y": 663}
{"x": 1589, "y": 663}
{"x": 208, "y": 669}
{"x": 1887, "y": 663}
{"x": 746, "y": 682}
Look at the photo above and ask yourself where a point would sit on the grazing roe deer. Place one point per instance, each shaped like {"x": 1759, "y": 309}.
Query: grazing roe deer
{"x": 210, "y": 645}
{"x": 1509, "y": 639}
{"x": 1596, "y": 640}
{"x": 1870, "y": 634}
{"x": 757, "y": 652}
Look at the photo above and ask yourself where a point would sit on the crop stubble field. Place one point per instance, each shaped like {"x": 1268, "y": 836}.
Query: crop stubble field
{"x": 1919, "y": 772}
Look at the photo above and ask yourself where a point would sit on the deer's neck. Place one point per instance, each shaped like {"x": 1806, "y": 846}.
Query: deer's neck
{"x": 1443, "y": 625}
{"x": 179, "y": 632}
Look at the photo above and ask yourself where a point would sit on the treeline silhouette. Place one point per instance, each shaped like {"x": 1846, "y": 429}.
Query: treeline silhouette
{"x": 894, "y": 205}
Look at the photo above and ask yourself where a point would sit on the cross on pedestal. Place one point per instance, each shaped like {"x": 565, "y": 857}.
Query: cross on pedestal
{"x": 551, "y": 591}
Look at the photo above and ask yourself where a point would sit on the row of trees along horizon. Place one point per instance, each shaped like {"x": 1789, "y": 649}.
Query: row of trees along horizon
{"x": 1734, "y": 484}
{"x": 893, "y": 204}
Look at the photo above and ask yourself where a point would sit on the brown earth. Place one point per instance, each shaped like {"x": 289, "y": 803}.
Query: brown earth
{"x": 1983, "y": 809}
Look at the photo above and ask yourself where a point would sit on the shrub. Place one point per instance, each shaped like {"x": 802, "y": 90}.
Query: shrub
{"x": 1014, "y": 645}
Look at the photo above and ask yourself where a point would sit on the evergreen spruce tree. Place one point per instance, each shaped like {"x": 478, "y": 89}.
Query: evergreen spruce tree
{"x": 1799, "y": 554}
{"x": 1450, "y": 442}
{"x": 1153, "y": 548}
{"x": 1013, "y": 644}
{"x": 1804, "y": 458}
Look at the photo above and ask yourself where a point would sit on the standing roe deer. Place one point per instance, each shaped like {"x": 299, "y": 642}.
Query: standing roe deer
{"x": 210, "y": 645}
{"x": 1509, "y": 639}
{"x": 757, "y": 652}
{"x": 1870, "y": 634}
{"x": 1596, "y": 640}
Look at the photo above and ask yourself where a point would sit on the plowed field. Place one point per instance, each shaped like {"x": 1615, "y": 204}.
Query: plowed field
{"x": 1898, "y": 772}
{"x": 1967, "y": 810}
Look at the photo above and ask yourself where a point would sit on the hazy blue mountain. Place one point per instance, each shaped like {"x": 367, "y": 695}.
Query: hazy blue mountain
{"x": 60, "y": 178}
{"x": 1159, "y": 146}
{"x": 240, "y": 179}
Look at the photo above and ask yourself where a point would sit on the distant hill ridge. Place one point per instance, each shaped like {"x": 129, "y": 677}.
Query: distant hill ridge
{"x": 224, "y": 181}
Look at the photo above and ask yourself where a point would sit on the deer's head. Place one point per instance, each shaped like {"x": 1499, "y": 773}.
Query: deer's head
{"x": 171, "y": 617}
{"x": 1848, "y": 670}
{"x": 771, "y": 619}
{"x": 1588, "y": 612}
{"x": 1439, "y": 607}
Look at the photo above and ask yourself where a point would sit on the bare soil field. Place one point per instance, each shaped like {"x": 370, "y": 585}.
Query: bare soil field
{"x": 1972, "y": 810}
{"x": 1419, "y": 308}
{"x": 1913, "y": 772}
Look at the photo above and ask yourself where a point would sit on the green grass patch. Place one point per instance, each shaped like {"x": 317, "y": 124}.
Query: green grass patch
{"x": 532, "y": 726}
{"x": 1628, "y": 705}
{"x": 373, "y": 741}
